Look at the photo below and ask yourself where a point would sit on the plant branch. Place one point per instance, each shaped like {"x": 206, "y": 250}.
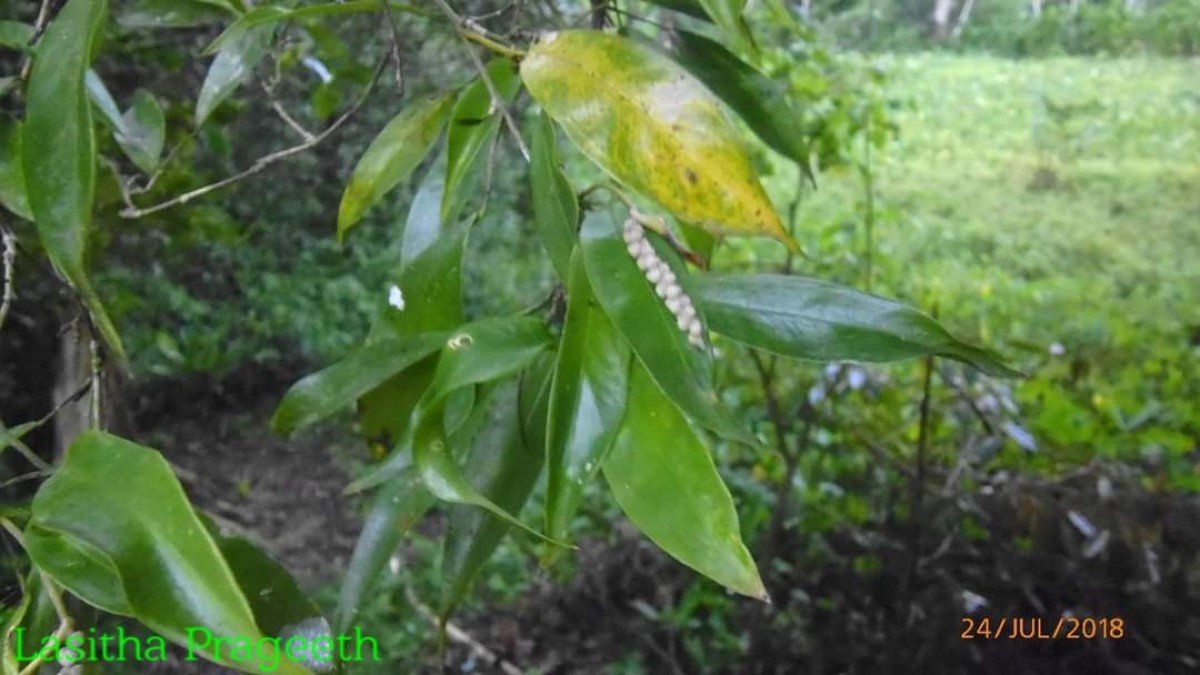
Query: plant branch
{"x": 9, "y": 257}
{"x": 462, "y": 637}
{"x": 397, "y": 60}
{"x": 468, "y": 36}
{"x": 266, "y": 161}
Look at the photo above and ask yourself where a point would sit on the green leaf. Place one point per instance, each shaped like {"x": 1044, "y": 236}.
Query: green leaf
{"x": 487, "y": 350}
{"x": 683, "y": 371}
{"x": 12, "y": 173}
{"x": 663, "y": 478}
{"x": 504, "y": 468}
{"x": 59, "y": 150}
{"x": 15, "y": 35}
{"x": 165, "y": 569}
{"x": 478, "y": 352}
{"x": 555, "y": 209}
{"x": 587, "y": 401}
{"x": 761, "y": 102}
{"x": 260, "y": 16}
{"x": 321, "y": 394}
{"x": 690, "y": 7}
{"x": 652, "y": 126}
{"x": 234, "y": 64}
{"x": 28, "y": 623}
{"x": 811, "y": 319}
{"x": 398, "y": 505}
{"x": 144, "y": 131}
{"x": 10, "y": 435}
{"x": 391, "y": 157}
{"x": 173, "y": 14}
{"x": 473, "y": 125}
{"x": 103, "y": 100}
{"x": 281, "y": 608}
{"x": 424, "y": 222}
{"x": 727, "y": 14}
{"x": 430, "y": 286}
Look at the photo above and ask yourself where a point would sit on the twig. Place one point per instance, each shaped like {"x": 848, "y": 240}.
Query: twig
{"x": 468, "y": 36}
{"x": 28, "y": 452}
{"x": 397, "y": 60}
{"x": 39, "y": 28}
{"x": 9, "y": 257}
{"x": 283, "y": 113}
{"x": 263, "y": 162}
{"x": 462, "y": 637}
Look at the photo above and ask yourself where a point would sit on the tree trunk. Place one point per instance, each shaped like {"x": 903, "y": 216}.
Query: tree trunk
{"x": 940, "y": 18}
{"x": 963, "y": 17}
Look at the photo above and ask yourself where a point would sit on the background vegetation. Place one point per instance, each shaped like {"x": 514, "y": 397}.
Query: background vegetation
{"x": 1029, "y": 177}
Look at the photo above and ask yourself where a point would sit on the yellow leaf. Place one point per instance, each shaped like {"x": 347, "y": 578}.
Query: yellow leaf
{"x": 652, "y": 126}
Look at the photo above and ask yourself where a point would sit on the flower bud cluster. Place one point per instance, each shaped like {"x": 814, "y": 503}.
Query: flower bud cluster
{"x": 659, "y": 274}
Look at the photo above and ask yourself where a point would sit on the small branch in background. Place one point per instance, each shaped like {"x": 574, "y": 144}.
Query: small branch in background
{"x": 397, "y": 60}
{"x": 917, "y": 484}
{"x": 39, "y": 29}
{"x": 9, "y": 257}
{"x": 97, "y": 379}
{"x": 266, "y": 161}
{"x": 469, "y": 32}
{"x": 283, "y": 114}
{"x": 462, "y": 637}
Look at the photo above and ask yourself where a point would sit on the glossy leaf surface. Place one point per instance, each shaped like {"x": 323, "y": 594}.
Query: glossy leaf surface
{"x": 234, "y": 64}
{"x": 323, "y": 393}
{"x": 473, "y": 125}
{"x": 144, "y": 131}
{"x": 504, "y": 468}
{"x": 555, "y": 208}
{"x": 391, "y": 157}
{"x": 811, "y": 319}
{"x": 663, "y": 478}
{"x": 652, "y": 126}
{"x": 12, "y": 173}
{"x": 727, "y": 14}
{"x": 396, "y": 507}
{"x": 587, "y": 400}
{"x": 164, "y": 570}
{"x": 682, "y": 370}
{"x": 59, "y": 149}
{"x": 761, "y": 102}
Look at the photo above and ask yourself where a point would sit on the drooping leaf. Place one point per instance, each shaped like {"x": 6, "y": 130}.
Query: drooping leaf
{"x": 144, "y": 131}
{"x": 690, "y": 7}
{"x": 398, "y": 505}
{"x": 587, "y": 401}
{"x": 173, "y": 14}
{"x": 58, "y": 151}
{"x": 234, "y": 64}
{"x": 651, "y": 125}
{"x": 479, "y": 352}
{"x": 663, "y": 478}
{"x": 504, "y": 468}
{"x": 391, "y": 157}
{"x": 473, "y": 124}
{"x": 727, "y": 14}
{"x": 12, "y": 173}
{"x": 164, "y": 568}
{"x": 15, "y": 35}
{"x": 811, "y": 319}
{"x": 103, "y": 100}
{"x": 555, "y": 208}
{"x": 430, "y": 288}
{"x": 281, "y": 608}
{"x": 269, "y": 14}
{"x": 682, "y": 370}
{"x": 32, "y": 620}
{"x": 321, "y": 394}
{"x": 762, "y": 103}
{"x": 424, "y": 222}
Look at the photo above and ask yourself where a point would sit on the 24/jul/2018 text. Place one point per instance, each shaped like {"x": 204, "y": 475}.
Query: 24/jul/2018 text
{"x": 1036, "y": 628}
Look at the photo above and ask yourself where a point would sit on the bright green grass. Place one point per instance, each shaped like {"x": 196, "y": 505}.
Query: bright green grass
{"x": 1075, "y": 222}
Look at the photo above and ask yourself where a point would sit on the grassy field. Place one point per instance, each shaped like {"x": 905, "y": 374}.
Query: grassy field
{"x": 1046, "y": 203}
